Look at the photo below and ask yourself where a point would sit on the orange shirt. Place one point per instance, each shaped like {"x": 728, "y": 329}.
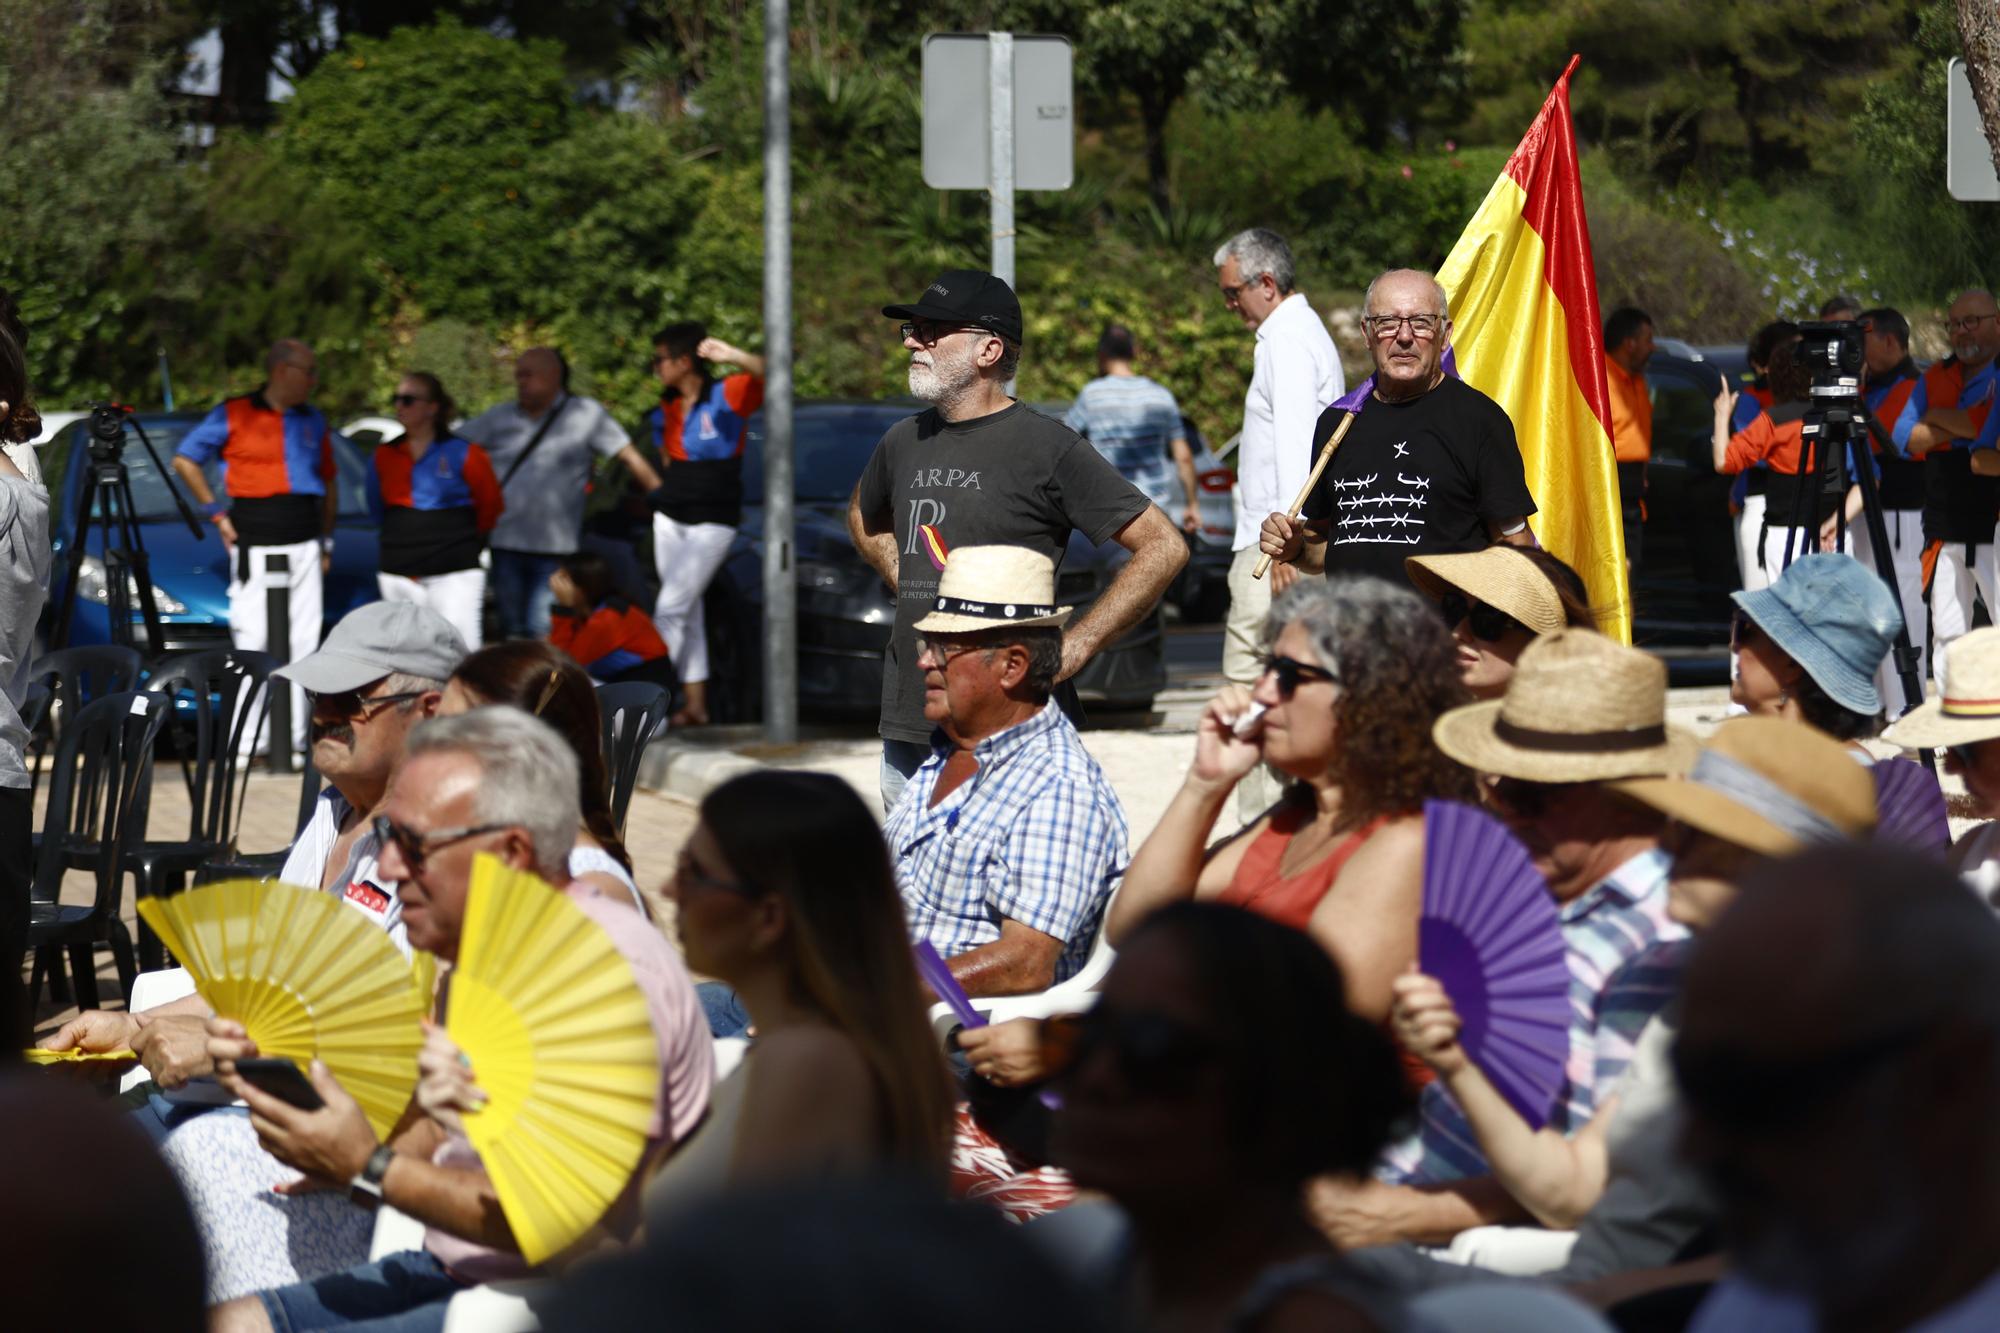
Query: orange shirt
{"x": 1766, "y": 441}
{"x": 1631, "y": 413}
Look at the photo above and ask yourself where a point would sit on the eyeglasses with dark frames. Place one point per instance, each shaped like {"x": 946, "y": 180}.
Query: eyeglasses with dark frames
{"x": 1292, "y": 673}
{"x": 1422, "y": 327}
{"x": 408, "y": 399}
{"x": 417, "y": 847}
{"x": 931, "y": 337}
{"x": 352, "y": 705}
{"x": 1489, "y": 623}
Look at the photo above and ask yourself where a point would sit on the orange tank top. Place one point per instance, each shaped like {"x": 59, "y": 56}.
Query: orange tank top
{"x": 1258, "y": 887}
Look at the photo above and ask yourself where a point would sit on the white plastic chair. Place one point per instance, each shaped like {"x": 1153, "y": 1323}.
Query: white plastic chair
{"x": 1065, "y": 997}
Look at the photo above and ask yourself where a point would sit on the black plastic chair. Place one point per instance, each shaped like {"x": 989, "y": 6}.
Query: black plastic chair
{"x": 98, "y": 788}
{"x": 227, "y": 699}
{"x": 266, "y": 865}
{"x": 73, "y": 677}
{"x": 635, "y": 714}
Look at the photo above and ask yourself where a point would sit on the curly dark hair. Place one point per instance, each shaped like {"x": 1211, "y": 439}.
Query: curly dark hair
{"x": 22, "y": 422}
{"x": 1398, "y": 673}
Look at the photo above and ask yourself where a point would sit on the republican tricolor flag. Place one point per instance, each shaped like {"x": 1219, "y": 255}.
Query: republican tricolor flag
{"x": 1526, "y": 333}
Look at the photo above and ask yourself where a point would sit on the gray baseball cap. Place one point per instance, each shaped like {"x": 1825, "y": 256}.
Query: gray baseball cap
{"x": 374, "y": 640}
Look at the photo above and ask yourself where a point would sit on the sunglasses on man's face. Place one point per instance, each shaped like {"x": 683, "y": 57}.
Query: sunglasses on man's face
{"x": 353, "y": 705}
{"x": 1156, "y": 1055}
{"x": 1486, "y": 622}
{"x": 1292, "y": 673}
{"x": 1524, "y": 799}
{"x": 409, "y": 399}
{"x": 417, "y": 847}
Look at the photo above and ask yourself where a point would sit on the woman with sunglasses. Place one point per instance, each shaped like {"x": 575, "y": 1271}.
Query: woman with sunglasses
{"x": 436, "y": 498}
{"x": 1358, "y": 672}
{"x": 1811, "y": 647}
{"x": 1496, "y": 601}
{"x": 784, "y": 892}
{"x": 1220, "y": 1071}
{"x": 1963, "y": 722}
{"x": 541, "y": 680}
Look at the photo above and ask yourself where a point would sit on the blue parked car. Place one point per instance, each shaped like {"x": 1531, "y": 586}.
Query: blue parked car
{"x": 190, "y": 578}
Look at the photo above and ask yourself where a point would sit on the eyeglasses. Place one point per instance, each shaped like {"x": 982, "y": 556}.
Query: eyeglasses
{"x": 408, "y": 399}
{"x": 1388, "y": 326}
{"x": 352, "y": 705}
{"x": 1155, "y": 1054}
{"x": 1231, "y": 295}
{"x": 944, "y": 654}
{"x": 1291, "y": 673}
{"x": 1743, "y": 630}
{"x": 417, "y": 847}
{"x": 1524, "y": 799}
{"x": 931, "y": 337}
{"x": 1486, "y": 622}
{"x": 1967, "y": 322}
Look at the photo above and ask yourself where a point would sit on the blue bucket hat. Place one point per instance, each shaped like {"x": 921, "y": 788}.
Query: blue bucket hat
{"x": 1836, "y": 619}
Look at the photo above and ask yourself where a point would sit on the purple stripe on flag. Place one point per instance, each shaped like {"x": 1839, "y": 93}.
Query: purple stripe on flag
{"x": 1357, "y": 397}
{"x": 945, "y": 986}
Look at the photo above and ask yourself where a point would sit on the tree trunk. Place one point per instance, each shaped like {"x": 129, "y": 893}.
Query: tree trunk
{"x": 1979, "y": 34}
{"x": 1153, "y": 113}
{"x": 243, "y": 89}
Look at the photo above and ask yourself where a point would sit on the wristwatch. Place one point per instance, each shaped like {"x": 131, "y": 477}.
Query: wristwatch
{"x": 368, "y": 1185}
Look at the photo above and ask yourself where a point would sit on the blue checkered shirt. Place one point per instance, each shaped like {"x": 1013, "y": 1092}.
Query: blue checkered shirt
{"x": 1625, "y": 957}
{"x": 1035, "y": 835}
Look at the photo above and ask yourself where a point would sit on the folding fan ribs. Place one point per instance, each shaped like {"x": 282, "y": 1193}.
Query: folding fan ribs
{"x": 308, "y": 977}
{"x": 1489, "y": 932}
{"x": 561, "y": 1041}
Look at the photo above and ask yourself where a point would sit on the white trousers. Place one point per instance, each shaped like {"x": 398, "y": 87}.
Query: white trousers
{"x": 1906, "y": 550}
{"x": 1952, "y": 587}
{"x": 248, "y": 627}
{"x": 459, "y": 597}
{"x": 686, "y": 556}
{"x": 1776, "y": 539}
{"x": 1243, "y": 663}
{"x": 1749, "y": 524}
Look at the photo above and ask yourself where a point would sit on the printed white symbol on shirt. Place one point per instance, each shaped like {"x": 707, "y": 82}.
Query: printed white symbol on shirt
{"x": 1403, "y": 450}
{"x": 1368, "y": 510}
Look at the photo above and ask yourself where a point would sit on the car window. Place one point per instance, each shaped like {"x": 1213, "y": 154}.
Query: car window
{"x": 150, "y": 500}
{"x": 831, "y": 444}
{"x": 1683, "y": 415}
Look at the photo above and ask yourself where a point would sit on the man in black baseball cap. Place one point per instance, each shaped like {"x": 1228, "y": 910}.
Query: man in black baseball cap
{"x": 969, "y": 297}
{"x": 979, "y": 469}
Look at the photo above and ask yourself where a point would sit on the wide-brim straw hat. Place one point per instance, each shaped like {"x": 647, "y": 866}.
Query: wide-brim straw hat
{"x": 1968, "y": 710}
{"x": 1499, "y": 576}
{"x": 1579, "y": 708}
{"x": 994, "y": 587}
{"x": 1770, "y": 784}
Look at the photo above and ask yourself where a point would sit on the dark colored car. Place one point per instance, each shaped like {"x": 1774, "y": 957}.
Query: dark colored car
{"x": 190, "y": 578}
{"x": 1687, "y": 566}
{"x": 845, "y": 614}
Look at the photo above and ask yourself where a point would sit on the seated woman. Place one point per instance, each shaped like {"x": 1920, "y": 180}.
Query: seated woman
{"x": 1809, "y": 648}
{"x": 1221, "y": 1069}
{"x": 1358, "y": 672}
{"x": 784, "y": 891}
{"x": 540, "y": 679}
{"x": 1496, "y": 601}
{"x": 1761, "y": 788}
{"x": 1963, "y": 723}
{"x": 594, "y": 623}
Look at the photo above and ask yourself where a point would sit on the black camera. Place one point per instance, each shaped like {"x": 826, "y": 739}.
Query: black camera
{"x": 107, "y": 429}
{"x": 1835, "y": 353}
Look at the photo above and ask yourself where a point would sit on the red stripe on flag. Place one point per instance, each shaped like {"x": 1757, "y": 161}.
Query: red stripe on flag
{"x": 1545, "y": 168}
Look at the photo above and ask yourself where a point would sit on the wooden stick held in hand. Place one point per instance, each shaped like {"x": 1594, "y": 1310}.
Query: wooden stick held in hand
{"x": 1298, "y": 505}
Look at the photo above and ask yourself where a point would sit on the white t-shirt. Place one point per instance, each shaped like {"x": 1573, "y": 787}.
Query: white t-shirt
{"x": 1297, "y": 377}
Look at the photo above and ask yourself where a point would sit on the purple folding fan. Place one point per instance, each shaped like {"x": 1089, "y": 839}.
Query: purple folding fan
{"x": 1490, "y": 935}
{"x": 945, "y": 986}
{"x": 1909, "y": 806}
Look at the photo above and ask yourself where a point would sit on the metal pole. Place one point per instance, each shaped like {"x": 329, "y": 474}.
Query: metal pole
{"x": 781, "y": 625}
{"x": 1000, "y": 152}
{"x": 278, "y": 642}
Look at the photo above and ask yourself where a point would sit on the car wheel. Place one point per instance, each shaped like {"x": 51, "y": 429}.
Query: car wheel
{"x": 735, "y": 658}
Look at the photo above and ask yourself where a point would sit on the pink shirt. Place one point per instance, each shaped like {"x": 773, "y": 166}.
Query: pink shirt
{"x": 687, "y": 1068}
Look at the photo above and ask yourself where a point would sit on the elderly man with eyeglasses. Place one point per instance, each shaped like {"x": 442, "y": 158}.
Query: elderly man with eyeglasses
{"x": 979, "y": 468}
{"x": 1429, "y": 467}
{"x": 381, "y": 671}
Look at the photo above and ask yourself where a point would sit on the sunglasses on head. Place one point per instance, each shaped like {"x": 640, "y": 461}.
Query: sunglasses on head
{"x": 1486, "y": 622}
{"x": 1291, "y": 673}
{"x": 1156, "y": 1055}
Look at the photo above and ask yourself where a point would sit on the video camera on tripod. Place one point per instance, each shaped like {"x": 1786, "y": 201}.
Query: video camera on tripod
{"x": 106, "y": 497}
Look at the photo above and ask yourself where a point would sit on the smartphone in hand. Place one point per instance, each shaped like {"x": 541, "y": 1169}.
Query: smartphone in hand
{"x": 282, "y": 1079}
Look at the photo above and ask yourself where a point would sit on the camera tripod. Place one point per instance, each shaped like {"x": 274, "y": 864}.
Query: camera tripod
{"x": 106, "y": 497}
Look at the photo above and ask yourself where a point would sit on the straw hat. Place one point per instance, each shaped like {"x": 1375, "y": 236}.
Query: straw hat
{"x": 1969, "y": 709}
{"x": 1769, "y": 784}
{"x": 1579, "y": 708}
{"x": 1499, "y": 576}
{"x": 994, "y": 587}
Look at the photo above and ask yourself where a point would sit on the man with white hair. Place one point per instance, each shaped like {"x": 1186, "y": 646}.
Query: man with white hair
{"x": 979, "y": 468}
{"x": 1430, "y": 465}
{"x": 276, "y": 520}
{"x": 499, "y": 782}
{"x": 1296, "y": 376}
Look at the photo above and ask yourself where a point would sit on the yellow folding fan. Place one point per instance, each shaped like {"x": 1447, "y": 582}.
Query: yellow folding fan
{"x": 308, "y": 977}
{"x": 561, "y": 1041}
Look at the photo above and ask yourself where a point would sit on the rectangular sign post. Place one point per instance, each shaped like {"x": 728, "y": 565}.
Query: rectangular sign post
{"x": 1968, "y": 170}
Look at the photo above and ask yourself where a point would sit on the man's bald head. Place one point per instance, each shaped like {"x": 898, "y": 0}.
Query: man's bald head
{"x": 539, "y": 374}
{"x": 1973, "y": 324}
{"x": 1839, "y": 1058}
